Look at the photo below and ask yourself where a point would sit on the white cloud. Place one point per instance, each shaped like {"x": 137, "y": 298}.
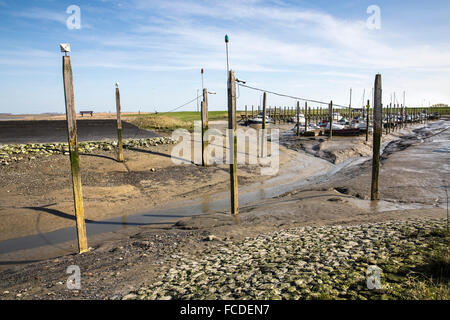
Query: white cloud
{"x": 42, "y": 14}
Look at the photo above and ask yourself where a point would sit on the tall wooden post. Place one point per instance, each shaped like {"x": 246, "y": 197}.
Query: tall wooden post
{"x": 403, "y": 116}
{"x": 330, "y": 119}
{"x": 367, "y": 120}
{"x": 264, "y": 111}
{"x": 377, "y": 124}
{"x": 298, "y": 118}
{"x": 119, "y": 126}
{"x": 306, "y": 117}
{"x": 204, "y": 118}
{"x": 263, "y": 131}
{"x": 74, "y": 156}
{"x": 397, "y": 123}
{"x": 233, "y": 142}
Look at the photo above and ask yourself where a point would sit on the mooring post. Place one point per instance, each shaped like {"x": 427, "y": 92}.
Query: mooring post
{"x": 395, "y": 117}
{"x": 330, "y": 112}
{"x": 389, "y": 106}
{"x": 367, "y": 121}
{"x": 119, "y": 126}
{"x": 306, "y": 117}
{"x": 406, "y": 116}
{"x": 298, "y": 118}
{"x": 264, "y": 111}
{"x": 263, "y": 127}
{"x": 74, "y": 156}
{"x": 233, "y": 142}
{"x": 377, "y": 124}
{"x": 204, "y": 119}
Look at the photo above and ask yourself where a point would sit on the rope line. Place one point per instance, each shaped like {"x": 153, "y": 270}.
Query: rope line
{"x": 288, "y": 96}
{"x": 183, "y": 104}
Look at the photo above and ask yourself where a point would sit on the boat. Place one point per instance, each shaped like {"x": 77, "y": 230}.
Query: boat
{"x": 258, "y": 119}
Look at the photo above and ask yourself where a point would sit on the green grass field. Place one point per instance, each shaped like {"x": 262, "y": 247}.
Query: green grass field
{"x": 168, "y": 121}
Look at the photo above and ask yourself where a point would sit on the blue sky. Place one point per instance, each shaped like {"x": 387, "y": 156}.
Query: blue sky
{"x": 155, "y": 49}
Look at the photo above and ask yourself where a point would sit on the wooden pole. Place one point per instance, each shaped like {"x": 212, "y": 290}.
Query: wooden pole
{"x": 377, "y": 124}
{"x": 263, "y": 131}
{"x": 204, "y": 118}
{"x": 306, "y": 117}
{"x": 330, "y": 111}
{"x": 367, "y": 121}
{"x": 74, "y": 156}
{"x": 264, "y": 111}
{"x": 298, "y": 118}
{"x": 389, "y": 117}
{"x": 233, "y": 142}
{"x": 119, "y": 126}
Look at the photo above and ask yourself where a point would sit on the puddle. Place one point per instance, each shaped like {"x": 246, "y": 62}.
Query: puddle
{"x": 292, "y": 177}
{"x": 385, "y": 206}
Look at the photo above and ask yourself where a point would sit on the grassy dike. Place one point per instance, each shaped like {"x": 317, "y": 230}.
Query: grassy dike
{"x": 169, "y": 121}
{"x": 327, "y": 262}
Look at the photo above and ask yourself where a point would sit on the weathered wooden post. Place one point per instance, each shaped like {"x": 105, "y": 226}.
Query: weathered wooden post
{"x": 298, "y": 118}
{"x": 253, "y": 113}
{"x": 330, "y": 119}
{"x": 397, "y": 126}
{"x": 306, "y": 117}
{"x": 388, "y": 112}
{"x": 367, "y": 121}
{"x": 119, "y": 126}
{"x": 74, "y": 156}
{"x": 233, "y": 142}
{"x": 403, "y": 116}
{"x": 377, "y": 124}
{"x": 263, "y": 126}
{"x": 204, "y": 119}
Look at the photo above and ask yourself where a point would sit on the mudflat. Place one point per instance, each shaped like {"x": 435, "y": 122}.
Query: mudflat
{"x": 48, "y": 131}
{"x": 121, "y": 262}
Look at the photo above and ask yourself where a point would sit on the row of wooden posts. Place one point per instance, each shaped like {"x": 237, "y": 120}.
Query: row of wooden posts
{"x": 310, "y": 115}
{"x": 74, "y": 154}
{"x": 317, "y": 115}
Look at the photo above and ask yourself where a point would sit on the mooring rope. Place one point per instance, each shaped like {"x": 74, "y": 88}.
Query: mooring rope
{"x": 289, "y": 96}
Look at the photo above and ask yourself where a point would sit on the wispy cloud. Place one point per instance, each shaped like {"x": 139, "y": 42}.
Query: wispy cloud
{"x": 275, "y": 44}
{"x": 41, "y": 14}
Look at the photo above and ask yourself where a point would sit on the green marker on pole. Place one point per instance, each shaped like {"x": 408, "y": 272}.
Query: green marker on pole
{"x": 226, "y": 44}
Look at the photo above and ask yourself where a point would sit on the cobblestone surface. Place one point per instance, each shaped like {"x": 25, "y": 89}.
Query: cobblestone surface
{"x": 19, "y": 152}
{"x": 303, "y": 263}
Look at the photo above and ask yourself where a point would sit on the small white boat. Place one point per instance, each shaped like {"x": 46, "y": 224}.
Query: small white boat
{"x": 336, "y": 126}
{"x": 259, "y": 119}
{"x": 361, "y": 125}
{"x": 311, "y": 127}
